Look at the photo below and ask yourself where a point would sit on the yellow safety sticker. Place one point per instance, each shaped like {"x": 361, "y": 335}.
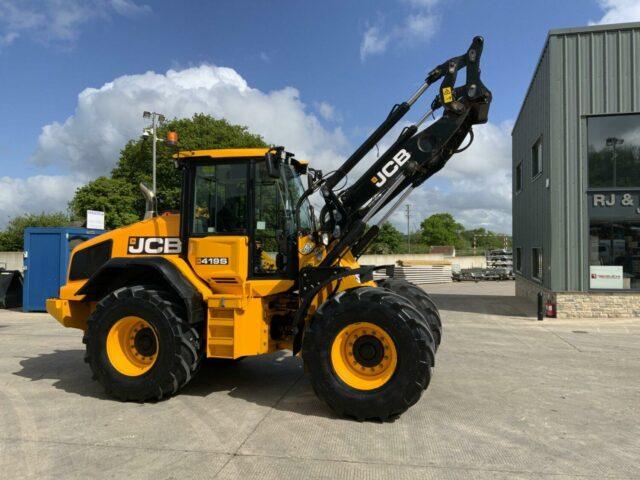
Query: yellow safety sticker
{"x": 447, "y": 95}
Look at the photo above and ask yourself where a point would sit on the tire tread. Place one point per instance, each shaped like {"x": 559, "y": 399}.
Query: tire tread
{"x": 421, "y": 300}
{"x": 187, "y": 358}
{"x": 407, "y": 316}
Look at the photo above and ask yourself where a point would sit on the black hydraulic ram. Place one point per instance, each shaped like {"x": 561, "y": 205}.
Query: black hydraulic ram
{"x": 397, "y": 158}
{"x": 397, "y": 112}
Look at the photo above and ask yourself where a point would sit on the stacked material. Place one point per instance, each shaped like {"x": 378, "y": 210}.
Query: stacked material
{"x": 419, "y": 263}
{"x": 500, "y": 259}
{"x": 438, "y": 273}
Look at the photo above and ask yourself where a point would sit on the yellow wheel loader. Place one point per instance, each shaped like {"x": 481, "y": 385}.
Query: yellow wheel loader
{"x": 246, "y": 268}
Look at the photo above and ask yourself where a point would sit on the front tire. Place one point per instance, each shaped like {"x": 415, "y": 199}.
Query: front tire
{"x": 421, "y": 300}
{"x": 139, "y": 346}
{"x": 369, "y": 353}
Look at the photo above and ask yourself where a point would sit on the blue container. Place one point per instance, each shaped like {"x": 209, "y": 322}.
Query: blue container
{"x": 46, "y": 258}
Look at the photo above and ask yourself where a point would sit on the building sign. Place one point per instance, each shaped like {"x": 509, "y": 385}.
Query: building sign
{"x": 95, "y": 220}
{"x": 609, "y": 277}
{"x": 619, "y": 205}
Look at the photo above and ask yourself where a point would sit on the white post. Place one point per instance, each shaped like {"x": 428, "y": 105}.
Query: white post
{"x": 155, "y": 139}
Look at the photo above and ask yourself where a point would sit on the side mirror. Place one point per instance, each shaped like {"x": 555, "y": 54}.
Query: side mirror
{"x": 300, "y": 167}
{"x": 313, "y": 176}
{"x": 272, "y": 160}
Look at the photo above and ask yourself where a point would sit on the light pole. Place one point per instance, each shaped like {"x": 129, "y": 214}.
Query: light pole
{"x": 613, "y": 142}
{"x": 408, "y": 229}
{"x": 156, "y": 120}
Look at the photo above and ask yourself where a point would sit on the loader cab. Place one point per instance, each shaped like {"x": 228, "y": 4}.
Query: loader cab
{"x": 235, "y": 203}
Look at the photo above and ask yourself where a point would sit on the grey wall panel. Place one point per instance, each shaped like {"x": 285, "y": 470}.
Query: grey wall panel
{"x": 531, "y": 205}
{"x": 557, "y": 214}
{"x": 583, "y": 72}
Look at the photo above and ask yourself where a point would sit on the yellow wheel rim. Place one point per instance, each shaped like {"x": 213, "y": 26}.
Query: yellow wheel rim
{"x": 364, "y": 356}
{"x": 132, "y": 346}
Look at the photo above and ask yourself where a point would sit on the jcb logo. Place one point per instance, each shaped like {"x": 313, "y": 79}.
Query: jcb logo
{"x": 390, "y": 168}
{"x": 154, "y": 245}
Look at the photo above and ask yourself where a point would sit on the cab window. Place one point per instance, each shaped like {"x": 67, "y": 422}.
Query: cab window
{"x": 295, "y": 190}
{"x": 269, "y": 249}
{"x": 220, "y": 199}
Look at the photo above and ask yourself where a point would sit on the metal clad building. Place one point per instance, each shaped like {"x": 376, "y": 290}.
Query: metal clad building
{"x": 587, "y": 78}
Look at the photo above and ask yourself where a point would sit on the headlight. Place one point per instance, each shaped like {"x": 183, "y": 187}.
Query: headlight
{"x": 325, "y": 238}
{"x": 307, "y": 248}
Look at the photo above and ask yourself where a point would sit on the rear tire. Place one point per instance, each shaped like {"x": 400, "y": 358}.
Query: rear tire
{"x": 346, "y": 376}
{"x": 131, "y": 365}
{"x": 420, "y": 299}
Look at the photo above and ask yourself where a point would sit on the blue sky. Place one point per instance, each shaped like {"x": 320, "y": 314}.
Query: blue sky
{"x": 348, "y": 62}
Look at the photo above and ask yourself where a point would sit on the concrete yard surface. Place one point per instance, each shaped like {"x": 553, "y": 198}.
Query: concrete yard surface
{"x": 511, "y": 398}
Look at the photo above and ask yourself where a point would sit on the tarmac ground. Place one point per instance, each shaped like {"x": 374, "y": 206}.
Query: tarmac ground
{"x": 511, "y": 398}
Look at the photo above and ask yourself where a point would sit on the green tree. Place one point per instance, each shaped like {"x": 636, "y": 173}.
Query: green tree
{"x": 485, "y": 239}
{"x": 442, "y": 229}
{"x": 11, "y": 238}
{"x": 119, "y": 199}
{"x": 388, "y": 240}
{"x": 119, "y": 195}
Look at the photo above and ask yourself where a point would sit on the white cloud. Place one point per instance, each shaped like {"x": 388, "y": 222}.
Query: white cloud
{"x": 475, "y": 184}
{"x": 619, "y": 11}
{"x": 40, "y": 193}
{"x": 88, "y": 142}
{"x": 327, "y": 111}
{"x": 488, "y": 156}
{"x": 373, "y": 42}
{"x": 8, "y": 38}
{"x": 265, "y": 57}
{"x": 419, "y": 25}
{"x": 129, "y": 8}
{"x": 105, "y": 118}
{"x": 57, "y": 20}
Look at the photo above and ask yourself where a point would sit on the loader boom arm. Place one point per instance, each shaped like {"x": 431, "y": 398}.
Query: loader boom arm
{"x": 415, "y": 156}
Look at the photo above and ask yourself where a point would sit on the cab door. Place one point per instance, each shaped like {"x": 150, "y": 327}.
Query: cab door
{"x": 237, "y": 229}
{"x": 218, "y": 224}
{"x": 271, "y": 228}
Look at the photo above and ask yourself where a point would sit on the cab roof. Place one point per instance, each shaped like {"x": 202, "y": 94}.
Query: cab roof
{"x": 226, "y": 153}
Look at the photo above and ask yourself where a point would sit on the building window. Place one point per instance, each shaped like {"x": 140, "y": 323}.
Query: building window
{"x": 613, "y": 199}
{"x": 614, "y": 254}
{"x": 536, "y": 263}
{"x": 613, "y": 151}
{"x": 518, "y": 259}
{"x": 518, "y": 177}
{"x": 536, "y": 158}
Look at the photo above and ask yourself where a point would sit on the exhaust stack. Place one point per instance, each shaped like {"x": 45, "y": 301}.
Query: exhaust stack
{"x": 150, "y": 202}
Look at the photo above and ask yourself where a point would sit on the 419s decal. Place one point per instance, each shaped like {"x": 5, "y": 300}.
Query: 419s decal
{"x": 154, "y": 246}
{"x": 212, "y": 261}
